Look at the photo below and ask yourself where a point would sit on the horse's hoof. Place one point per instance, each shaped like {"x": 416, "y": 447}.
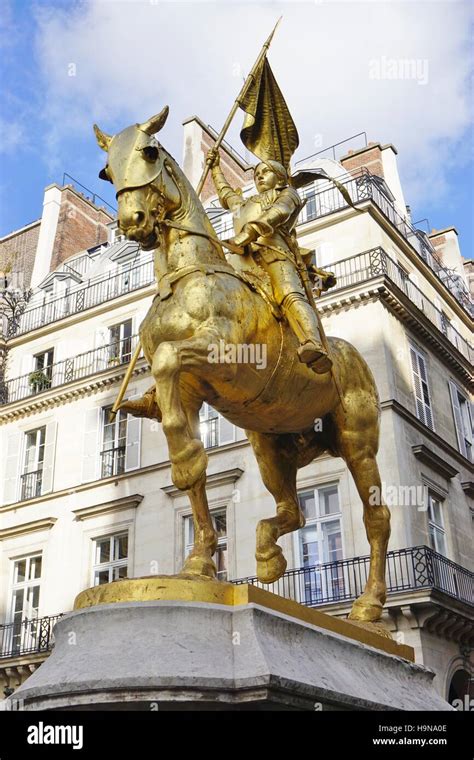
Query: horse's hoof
{"x": 367, "y": 608}
{"x": 270, "y": 570}
{"x": 191, "y": 466}
{"x": 199, "y": 566}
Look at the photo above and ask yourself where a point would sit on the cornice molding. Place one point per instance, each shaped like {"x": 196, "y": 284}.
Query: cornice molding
{"x": 399, "y": 409}
{"x": 214, "y": 479}
{"x": 425, "y": 455}
{"x": 67, "y": 393}
{"x": 23, "y": 529}
{"x": 106, "y": 507}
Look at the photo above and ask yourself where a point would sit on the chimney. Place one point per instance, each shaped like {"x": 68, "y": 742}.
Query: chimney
{"x": 446, "y": 245}
{"x": 380, "y": 160}
{"x": 198, "y": 139}
{"x": 70, "y": 223}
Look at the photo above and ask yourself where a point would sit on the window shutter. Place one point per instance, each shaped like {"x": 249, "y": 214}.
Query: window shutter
{"x": 422, "y": 394}
{"x": 132, "y": 450}
{"x": 457, "y": 418}
{"x": 49, "y": 456}
{"x": 90, "y": 454}
{"x": 226, "y": 431}
{"x": 12, "y": 466}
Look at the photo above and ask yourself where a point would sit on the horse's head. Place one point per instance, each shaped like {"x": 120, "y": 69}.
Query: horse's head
{"x": 135, "y": 165}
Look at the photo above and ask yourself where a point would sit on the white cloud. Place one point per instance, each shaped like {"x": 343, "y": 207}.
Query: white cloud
{"x": 132, "y": 57}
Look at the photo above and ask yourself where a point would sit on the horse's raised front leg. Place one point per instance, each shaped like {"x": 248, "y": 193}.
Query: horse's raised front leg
{"x": 276, "y": 457}
{"x": 187, "y": 455}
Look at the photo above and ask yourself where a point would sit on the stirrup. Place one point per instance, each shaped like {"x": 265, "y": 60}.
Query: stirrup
{"x": 314, "y": 355}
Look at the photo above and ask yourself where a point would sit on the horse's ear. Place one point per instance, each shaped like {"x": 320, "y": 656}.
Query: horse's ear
{"x": 103, "y": 139}
{"x": 153, "y": 125}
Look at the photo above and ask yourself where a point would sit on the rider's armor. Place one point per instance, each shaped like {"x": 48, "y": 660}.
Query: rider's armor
{"x": 269, "y": 219}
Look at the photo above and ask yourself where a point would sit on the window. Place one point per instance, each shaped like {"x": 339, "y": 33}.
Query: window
{"x": 320, "y": 542}
{"x": 219, "y": 520}
{"x": 215, "y": 430}
{"x": 421, "y": 387}
{"x": 32, "y": 477}
{"x": 40, "y": 378}
{"x": 120, "y": 343}
{"x": 24, "y": 604}
{"x": 114, "y": 442}
{"x": 110, "y": 558}
{"x": 209, "y": 426}
{"x": 436, "y": 525}
{"x": 462, "y": 421}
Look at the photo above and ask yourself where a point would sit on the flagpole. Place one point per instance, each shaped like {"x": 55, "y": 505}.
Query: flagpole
{"x": 236, "y": 105}
{"x": 221, "y": 136}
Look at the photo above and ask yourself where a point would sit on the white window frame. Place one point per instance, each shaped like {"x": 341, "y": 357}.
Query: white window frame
{"x": 424, "y": 410}
{"x": 114, "y": 564}
{"x": 438, "y": 528}
{"x": 222, "y": 541}
{"x": 118, "y": 345}
{"x": 27, "y": 632}
{"x": 38, "y": 447}
{"x": 120, "y": 417}
{"x": 316, "y": 522}
{"x": 463, "y": 419}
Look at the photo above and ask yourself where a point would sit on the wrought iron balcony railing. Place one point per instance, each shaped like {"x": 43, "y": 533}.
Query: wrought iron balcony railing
{"x": 69, "y": 370}
{"x": 377, "y": 262}
{"x": 113, "y": 461}
{"x": 417, "y": 567}
{"x": 364, "y": 187}
{"x": 31, "y": 484}
{"x": 27, "y": 636}
{"x": 93, "y": 292}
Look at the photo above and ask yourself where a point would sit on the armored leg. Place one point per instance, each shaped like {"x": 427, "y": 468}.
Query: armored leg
{"x": 304, "y": 323}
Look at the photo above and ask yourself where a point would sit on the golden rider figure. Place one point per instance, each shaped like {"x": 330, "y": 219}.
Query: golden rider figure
{"x": 264, "y": 225}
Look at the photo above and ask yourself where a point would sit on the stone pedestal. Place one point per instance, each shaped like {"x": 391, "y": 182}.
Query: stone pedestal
{"x": 249, "y": 650}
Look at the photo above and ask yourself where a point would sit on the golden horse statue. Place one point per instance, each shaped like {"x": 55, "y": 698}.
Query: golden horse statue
{"x": 204, "y": 301}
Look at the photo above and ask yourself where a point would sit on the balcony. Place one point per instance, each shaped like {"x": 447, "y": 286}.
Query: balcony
{"x": 364, "y": 187}
{"x": 407, "y": 570}
{"x": 96, "y": 291}
{"x": 31, "y": 484}
{"x": 376, "y": 262}
{"x": 27, "y": 637}
{"x": 112, "y": 461}
{"x": 70, "y": 370}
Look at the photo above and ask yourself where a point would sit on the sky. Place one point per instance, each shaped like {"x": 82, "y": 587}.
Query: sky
{"x": 402, "y": 72}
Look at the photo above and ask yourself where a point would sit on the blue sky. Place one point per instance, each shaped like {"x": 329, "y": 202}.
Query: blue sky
{"x": 65, "y": 65}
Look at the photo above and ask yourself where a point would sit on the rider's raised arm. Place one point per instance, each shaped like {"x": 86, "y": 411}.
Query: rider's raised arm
{"x": 228, "y": 197}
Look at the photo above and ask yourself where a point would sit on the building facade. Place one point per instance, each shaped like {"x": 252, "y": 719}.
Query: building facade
{"x": 87, "y": 500}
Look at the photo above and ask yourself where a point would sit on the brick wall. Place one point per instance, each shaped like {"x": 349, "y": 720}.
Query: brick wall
{"x": 81, "y": 225}
{"x": 370, "y": 157}
{"x": 17, "y": 255}
{"x": 236, "y": 176}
